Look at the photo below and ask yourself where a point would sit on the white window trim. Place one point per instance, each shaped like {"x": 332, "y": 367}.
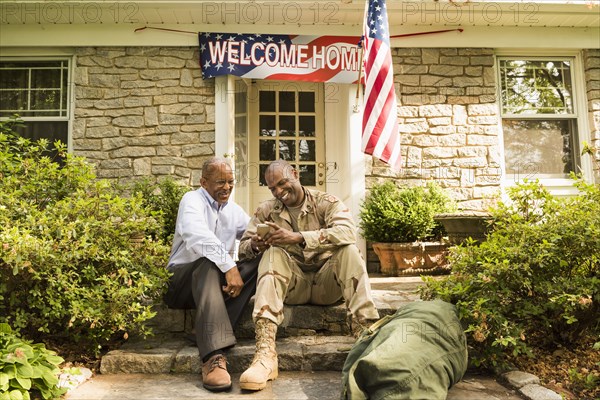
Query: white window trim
{"x": 556, "y": 186}
{"x": 60, "y": 56}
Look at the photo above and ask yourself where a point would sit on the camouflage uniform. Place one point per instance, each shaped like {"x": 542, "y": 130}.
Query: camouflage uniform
{"x": 328, "y": 268}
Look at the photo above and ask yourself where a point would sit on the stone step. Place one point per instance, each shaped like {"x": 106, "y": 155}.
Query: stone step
{"x": 389, "y": 293}
{"x": 178, "y": 355}
{"x": 311, "y": 338}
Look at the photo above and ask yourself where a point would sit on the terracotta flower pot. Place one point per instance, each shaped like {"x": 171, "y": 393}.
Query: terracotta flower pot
{"x": 411, "y": 258}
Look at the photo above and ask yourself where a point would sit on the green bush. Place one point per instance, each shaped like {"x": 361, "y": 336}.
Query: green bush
{"x": 68, "y": 267}
{"x": 392, "y": 214}
{"x": 163, "y": 198}
{"x": 30, "y": 177}
{"x": 535, "y": 281}
{"x": 27, "y": 369}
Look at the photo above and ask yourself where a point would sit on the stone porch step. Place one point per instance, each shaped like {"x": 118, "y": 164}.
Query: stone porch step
{"x": 173, "y": 355}
{"x": 389, "y": 293}
{"x": 311, "y": 338}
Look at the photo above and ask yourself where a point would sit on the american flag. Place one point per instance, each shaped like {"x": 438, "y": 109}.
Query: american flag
{"x": 380, "y": 136}
{"x": 295, "y": 57}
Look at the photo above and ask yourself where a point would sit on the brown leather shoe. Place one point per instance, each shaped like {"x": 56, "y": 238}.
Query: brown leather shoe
{"x": 214, "y": 374}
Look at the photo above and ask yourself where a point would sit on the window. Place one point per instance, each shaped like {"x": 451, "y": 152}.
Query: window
{"x": 38, "y": 91}
{"x": 285, "y": 121}
{"x": 539, "y": 117}
{"x": 287, "y": 131}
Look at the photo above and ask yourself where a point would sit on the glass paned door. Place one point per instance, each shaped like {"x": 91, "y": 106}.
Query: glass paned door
{"x": 287, "y": 124}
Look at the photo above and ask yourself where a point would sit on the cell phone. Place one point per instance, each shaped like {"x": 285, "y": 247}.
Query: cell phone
{"x": 262, "y": 230}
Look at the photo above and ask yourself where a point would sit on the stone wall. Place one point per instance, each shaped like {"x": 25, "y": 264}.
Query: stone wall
{"x": 449, "y": 123}
{"x": 147, "y": 112}
{"x": 143, "y": 112}
{"x": 591, "y": 61}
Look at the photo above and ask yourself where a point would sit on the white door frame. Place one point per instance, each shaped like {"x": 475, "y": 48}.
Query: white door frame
{"x": 224, "y": 116}
{"x": 343, "y": 134}
{"x": 345, "y": 159}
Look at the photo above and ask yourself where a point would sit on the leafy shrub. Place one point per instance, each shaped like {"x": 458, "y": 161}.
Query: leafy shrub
{"x": 391, "y": 214}
{"x": 27, "y": 368}
{"x": 30, "y": 177}
{"x": 535, "y": 281}
{"x": 162, "y": 197}
{"x": 68, "y": 268}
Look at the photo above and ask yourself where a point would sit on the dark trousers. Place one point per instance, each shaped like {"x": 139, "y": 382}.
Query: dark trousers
{"x": 199, "y": 285}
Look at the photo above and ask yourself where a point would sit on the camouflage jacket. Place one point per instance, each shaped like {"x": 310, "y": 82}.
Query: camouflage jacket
{"x": 324, "y": 222}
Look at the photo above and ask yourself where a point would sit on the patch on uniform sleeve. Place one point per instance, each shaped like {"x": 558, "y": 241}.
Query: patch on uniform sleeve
{"x": 332, "y": 199}
{"x": 256, "y": 212}
{"x": 322, "y": 237}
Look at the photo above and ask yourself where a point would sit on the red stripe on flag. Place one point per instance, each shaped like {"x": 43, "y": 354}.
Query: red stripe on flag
{"x": 371, "y": 105}
{"x": 384, "y": 113}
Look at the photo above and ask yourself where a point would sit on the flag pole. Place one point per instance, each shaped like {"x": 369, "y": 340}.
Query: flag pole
{"x": 360, "y": 67}
{"x": 360, "y": 64}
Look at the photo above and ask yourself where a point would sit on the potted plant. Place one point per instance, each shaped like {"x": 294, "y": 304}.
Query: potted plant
{"x": 399, "y": 222}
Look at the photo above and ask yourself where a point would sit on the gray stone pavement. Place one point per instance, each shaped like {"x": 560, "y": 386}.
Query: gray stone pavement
{"x": 291, "y": 385}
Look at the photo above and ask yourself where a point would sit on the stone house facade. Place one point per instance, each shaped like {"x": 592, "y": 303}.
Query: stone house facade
{"x": 148, "y": 112}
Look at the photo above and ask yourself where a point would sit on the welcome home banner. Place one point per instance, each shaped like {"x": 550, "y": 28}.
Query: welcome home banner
{"x": 280, "y": 57}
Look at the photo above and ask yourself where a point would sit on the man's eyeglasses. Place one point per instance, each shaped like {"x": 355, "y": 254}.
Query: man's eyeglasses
{"x": 221, "y": 183}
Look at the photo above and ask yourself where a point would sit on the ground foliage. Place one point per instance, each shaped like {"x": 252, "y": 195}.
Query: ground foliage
{"x": 27, "y": 370}
{"x": 533, "y": 287}
{"x": 572, "y": 370}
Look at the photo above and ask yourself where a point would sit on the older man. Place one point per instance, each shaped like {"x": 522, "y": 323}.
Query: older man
{"x": 309, "y": 256}
{"x": 205, "y": 273}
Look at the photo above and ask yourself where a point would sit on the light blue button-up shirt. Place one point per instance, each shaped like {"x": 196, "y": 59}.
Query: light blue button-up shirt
{"x": 204, "y": 229}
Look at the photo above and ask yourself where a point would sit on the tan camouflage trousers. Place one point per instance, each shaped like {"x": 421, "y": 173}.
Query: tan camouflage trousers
{"x": 281, "y": 280}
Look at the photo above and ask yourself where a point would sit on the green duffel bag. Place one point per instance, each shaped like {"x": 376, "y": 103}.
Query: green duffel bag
{"x": 417, "y": 353}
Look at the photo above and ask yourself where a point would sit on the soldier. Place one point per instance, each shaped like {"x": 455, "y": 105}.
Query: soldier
{"x": 309, "y": 256}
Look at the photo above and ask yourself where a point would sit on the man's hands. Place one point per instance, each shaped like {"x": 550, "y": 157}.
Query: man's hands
{"x": 258, "y": 243}
{"x": 234, "y": 282}
{"x": 277, "y": 236}
{"x": 280, "y": 236}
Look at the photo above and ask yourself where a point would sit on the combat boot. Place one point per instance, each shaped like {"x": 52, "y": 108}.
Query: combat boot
{"x": 358, "y": 325}
{"x": 264, "y": 365}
